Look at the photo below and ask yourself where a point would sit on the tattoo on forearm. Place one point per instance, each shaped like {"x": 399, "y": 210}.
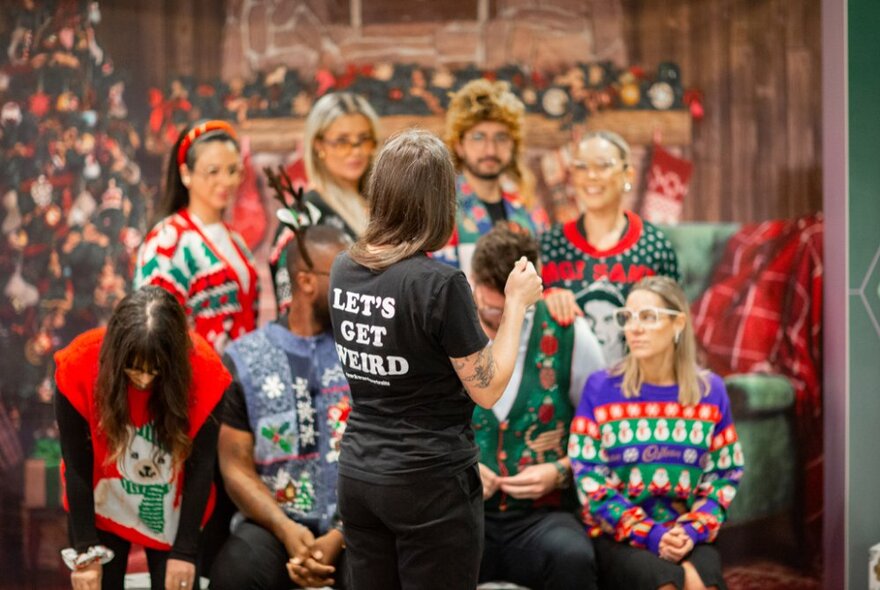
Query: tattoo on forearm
{"x": 484, "y": 368}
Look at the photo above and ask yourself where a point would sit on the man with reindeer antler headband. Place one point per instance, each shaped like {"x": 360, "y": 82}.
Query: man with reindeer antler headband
{"x": 277, "y": 457}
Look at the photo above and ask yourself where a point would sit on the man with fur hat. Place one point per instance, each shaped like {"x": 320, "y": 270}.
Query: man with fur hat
{"x": 484, "y": 126}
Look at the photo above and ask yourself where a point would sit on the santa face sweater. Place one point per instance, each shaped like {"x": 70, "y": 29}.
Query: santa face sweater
{"x": 602, "y": 279}
{"x": 645, "y": 463}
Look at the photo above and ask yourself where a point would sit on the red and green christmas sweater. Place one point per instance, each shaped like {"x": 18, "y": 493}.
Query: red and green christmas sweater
{"x": 570, "y": 262}
{"x": 177, "y": 256}
{"x": 137, "y": 496}
{"x": 536, "y": 429}
{"x": 644, "y": 464}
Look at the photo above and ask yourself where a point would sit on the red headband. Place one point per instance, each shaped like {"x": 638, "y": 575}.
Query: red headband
{"x": 197, "y": 132}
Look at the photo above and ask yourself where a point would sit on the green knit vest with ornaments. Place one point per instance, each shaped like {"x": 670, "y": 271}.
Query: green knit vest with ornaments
{"x": 536, "y": 429}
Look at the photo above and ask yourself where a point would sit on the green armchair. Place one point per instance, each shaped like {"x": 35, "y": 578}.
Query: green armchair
{"x": 762, "y": 404}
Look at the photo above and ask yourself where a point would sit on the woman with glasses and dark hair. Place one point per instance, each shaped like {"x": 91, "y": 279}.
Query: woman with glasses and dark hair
{"x": 191, "y": 252}
{"x": 654, "y": 451}
{"x": 608, "y": 241}
{"x": 410, "y": 343}
{"x": 136, "y": 405}
{"x": 340, "y": 137}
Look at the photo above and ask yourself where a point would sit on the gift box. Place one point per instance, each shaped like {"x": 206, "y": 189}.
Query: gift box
{"x": 42, "y": 477}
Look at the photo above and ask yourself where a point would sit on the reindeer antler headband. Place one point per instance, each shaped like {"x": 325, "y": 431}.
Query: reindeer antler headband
{"x": 295, "y": 212}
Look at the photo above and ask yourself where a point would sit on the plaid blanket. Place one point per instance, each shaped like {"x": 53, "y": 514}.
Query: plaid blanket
{"x": 763, "y": 313}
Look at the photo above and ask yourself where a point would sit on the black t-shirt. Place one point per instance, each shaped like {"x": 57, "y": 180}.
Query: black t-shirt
{"x": 235, "y": 412}
{"x": 496, "y": 211}
{"x": 395, "y": 331}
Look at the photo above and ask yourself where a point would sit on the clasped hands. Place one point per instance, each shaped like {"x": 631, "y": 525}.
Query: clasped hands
{"x": 311, "y": 561}
{"x": 534, "y": 481}
{"x": 675, "y": 544}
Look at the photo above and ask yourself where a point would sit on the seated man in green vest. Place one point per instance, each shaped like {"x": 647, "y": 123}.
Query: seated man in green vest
{"x": 533, "y": 537}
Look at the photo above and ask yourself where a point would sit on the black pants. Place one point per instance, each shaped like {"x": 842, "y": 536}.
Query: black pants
{"x": 216, "y": 530}
{"x": 539, "y": 549}
{"x": 423, "y": 535}
{"x": 254, "y": 559}
{"x": 623, "y": 567}
{"x": 113, "y": 573}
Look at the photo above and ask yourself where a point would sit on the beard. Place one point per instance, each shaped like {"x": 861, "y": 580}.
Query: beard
{"x": 475, "y": 170}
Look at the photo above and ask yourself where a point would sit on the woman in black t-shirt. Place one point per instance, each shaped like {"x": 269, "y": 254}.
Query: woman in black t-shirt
{"x": 416, "y": 358}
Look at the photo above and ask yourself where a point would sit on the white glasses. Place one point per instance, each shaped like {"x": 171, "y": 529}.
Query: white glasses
{"x": 647, "y": 317}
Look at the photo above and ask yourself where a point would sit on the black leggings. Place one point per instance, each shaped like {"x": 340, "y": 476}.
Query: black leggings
{"x": 423, "y": 535}
{"x": 113, "y": 573}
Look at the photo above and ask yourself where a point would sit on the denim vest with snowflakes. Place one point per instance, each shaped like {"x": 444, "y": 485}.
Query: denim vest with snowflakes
{"x": 298, "y": 403}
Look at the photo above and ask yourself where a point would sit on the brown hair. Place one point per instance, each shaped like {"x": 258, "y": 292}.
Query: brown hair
{"x": 482, "y": 100}
{"x": 148, "y": 329}
{"x": 176, "y": 195}
{"x": 693, "y": 382}
{"x": 496, "y": 254}
{"x": 411, "y": 194}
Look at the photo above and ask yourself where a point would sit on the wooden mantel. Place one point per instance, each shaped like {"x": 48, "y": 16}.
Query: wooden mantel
{"x": 637, "y": 127}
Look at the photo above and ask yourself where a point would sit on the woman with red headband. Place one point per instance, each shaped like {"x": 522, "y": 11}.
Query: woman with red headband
{"x": 191, "y": 252}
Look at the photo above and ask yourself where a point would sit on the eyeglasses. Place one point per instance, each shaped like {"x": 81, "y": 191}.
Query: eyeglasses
{"x": 344, "y": 146}
{"x": 599, "y": 167}
{"x": 214, "y": 173}
{"x": 647, "y": 317}
{"x": 480, "y": 139}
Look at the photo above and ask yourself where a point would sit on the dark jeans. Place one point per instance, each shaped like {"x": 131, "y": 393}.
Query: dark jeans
{"x": 113, "y": 573}
{"x": 622, "y": 567}
{"x": 423, "y": 535}
{"x": 539, "y": 549}
{"x": 255, "y": 559}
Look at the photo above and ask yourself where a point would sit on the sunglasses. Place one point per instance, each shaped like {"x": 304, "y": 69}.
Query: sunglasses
{"x": 647, "y": 317}
{"x": 344, "y": 146}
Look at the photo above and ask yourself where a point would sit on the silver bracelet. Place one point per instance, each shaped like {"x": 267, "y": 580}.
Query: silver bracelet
{"x": 77, "y": 561}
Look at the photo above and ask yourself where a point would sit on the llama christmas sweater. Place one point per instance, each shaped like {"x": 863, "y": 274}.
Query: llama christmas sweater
{"x": 137, "y": 496}
{"x": 644, "y": 464}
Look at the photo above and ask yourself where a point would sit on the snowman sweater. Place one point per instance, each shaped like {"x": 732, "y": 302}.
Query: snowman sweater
{"x": 644, "y": 464}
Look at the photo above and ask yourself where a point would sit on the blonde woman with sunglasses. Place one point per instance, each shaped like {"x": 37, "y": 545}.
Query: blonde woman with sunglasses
{"x": 654, "y": 452}
{"x": 340, "y": 139}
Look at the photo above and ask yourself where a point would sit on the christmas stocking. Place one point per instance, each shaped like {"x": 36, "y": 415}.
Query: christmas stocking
{"x": 668, "y": 180}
